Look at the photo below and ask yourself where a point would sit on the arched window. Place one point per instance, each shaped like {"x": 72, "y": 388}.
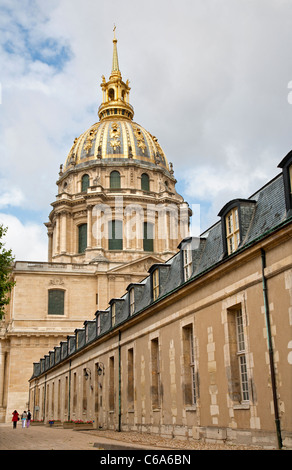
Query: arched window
{"x": 115, "y": 235}
{"x": 145, "y": 182}
{"x": 84, "y": 183}
{"x": 82, "y": 238}
{"x": 115, "y": 180}
{"x": 111, "y": 94}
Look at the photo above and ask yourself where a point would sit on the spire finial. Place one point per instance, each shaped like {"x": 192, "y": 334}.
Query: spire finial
{"x": 115, "y": 67}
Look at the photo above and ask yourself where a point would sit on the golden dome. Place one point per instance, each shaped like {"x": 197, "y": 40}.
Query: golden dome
{"x": 115, "y": 136}
{"x": 114, "y": 139}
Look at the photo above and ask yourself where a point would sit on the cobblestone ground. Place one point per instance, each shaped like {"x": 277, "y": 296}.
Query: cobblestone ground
{"x": 46, "y": 438}
{"x": 166, "y": 443}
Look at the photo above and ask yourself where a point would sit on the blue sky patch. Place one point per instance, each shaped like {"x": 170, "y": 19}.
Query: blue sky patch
{"x": 22, "y": 41}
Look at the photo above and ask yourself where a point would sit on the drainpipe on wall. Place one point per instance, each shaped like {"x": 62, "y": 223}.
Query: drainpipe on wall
{"x": 120, "y": 413}
{"x": 271, "y": 352}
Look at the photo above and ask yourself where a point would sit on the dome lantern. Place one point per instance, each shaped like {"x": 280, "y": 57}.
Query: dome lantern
{"x": 115, "y": 92}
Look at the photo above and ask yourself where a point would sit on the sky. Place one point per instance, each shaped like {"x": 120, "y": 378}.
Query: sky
{"x": 212, "y": 80}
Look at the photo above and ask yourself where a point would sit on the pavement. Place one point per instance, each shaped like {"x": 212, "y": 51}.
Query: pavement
{"x": 57, "y": 438}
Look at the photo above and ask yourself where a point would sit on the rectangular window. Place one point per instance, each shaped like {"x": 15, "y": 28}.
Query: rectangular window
{"x": 131, "y": 377}
{"x": 187, "y": 262}
{"x": 239, "y": 389}
{"x": 132, "y": 301}
{"x": 111, "y": 384}
{"x": 155, "y": 284}
{"x": 241, "y": 353}
{"x": 82, "y": 238}
{"x": 190, "y": 397}
{"x": 115, "y": 229}
{"x": 56, "y": 302}
{"x": 232, "y": 230}
{"x": 148, "y": 237}
{"x": 59, "y": 400}
{"x": 84, "y": 390}
{"x": 74, "y": 392}
{"x": 155, "y": 374}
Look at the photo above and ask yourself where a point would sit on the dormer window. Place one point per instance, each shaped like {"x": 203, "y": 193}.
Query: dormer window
{"x": 235, "y": 216}
{"x": 187, "y": 261}
{"x": 155, "y": 284}
{"x": 232, "y": 230}
{"x": 98, "y": 325}
{"x": 113, "y": 314}
{"x": 132, "y": 301}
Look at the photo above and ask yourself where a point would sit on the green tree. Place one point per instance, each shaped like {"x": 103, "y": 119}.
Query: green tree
{"x": 6, "y": 261}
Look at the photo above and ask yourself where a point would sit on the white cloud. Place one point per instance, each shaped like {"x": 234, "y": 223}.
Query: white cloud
{"x": 27, "y": 241}
{"x": 10, "y": 196}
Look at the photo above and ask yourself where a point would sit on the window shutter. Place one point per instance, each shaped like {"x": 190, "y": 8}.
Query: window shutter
{"x": 56, "y": 302}
{"x": 82, "y": 238}
{"x": 84, "y": 183}
{"x": 145, "y": 182}
{"x": 115, "y": 180}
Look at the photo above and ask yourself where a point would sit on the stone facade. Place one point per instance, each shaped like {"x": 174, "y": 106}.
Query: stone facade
{"x": 197, "y": 350}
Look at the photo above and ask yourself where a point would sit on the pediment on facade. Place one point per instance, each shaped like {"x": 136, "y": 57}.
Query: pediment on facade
{"x": 138, "y": 266}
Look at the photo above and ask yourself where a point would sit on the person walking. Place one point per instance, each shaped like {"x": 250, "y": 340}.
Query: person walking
{"x": 23, "y": 418}
{"x": 15, "y": 418}
{"x": 28, "y": 418}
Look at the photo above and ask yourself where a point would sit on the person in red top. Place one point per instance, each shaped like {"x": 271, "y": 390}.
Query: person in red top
{"x": 15, "y": 418}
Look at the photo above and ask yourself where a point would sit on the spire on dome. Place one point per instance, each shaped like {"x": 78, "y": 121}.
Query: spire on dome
{"x": 115, "y": 92}
{"x": 115, "y": 66}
